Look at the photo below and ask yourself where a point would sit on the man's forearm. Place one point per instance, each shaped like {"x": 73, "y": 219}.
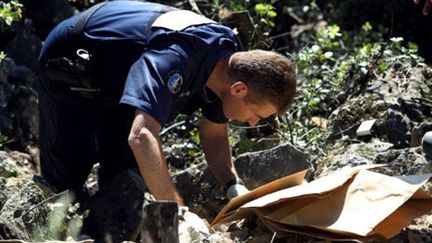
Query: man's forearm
{"x": 219, "y": 161}
{"x": 217, "y": 151}
{"x": 216, "y": 147}
{"x": 147, "y": 149}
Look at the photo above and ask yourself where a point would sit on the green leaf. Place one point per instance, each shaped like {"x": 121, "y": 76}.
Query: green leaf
{"x": 264, "y": 9}
{"x": 383, "y": 66}
{"x": 272, "y": 14}
{"x": 13, "y": 172}
{"x": 10, "y": 12}
{"x": 2, "y": 56}
{"x": 366, "y": 27}
{"x": 3, "y": 139}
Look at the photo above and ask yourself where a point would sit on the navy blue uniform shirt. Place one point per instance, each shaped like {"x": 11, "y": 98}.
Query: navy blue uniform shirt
{"x": 155, "y": 69}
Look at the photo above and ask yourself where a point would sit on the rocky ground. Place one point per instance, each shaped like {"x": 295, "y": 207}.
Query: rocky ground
{"x": 400, "y": 102}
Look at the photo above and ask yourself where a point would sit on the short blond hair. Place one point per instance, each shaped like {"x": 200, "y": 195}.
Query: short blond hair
{"x": 270, "y": 77}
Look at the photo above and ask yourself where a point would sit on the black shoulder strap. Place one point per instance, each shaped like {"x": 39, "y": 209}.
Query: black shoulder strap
{"x": 85, "y": 16}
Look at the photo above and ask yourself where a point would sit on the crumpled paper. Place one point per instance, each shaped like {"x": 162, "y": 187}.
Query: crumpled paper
{"x": 352, "y": 204}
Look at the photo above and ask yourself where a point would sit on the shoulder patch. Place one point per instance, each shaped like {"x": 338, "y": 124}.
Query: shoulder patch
{"x": 174, "y": 81}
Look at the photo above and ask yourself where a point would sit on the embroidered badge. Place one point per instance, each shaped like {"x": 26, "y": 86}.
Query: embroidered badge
{"x": 174, "y": 82}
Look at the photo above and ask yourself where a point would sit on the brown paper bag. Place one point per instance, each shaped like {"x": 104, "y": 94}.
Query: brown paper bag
{"x": 354, "y": 204}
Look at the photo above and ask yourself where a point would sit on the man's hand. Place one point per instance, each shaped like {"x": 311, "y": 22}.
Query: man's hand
{"x": 236, "y": 190}
{"x": 214, "y": 138}
{"x": 427, "y": 6}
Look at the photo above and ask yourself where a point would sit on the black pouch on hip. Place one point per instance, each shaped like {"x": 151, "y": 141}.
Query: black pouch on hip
{"x": 77, "y": 74}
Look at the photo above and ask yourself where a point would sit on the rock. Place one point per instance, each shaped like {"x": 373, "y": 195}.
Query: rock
{"x": 115, "y": 212}
{"x": 345, "y": 120}
{"x": 351, "y": 155}
{"x": 396, "y": 127}
{"x": 21, "y": 215}
{"x": 205, "y": 196}
{"x": 409, "y": 161}
{"x": 420, "y": 230}
{"x": 15, "y": 163}
{"x": 192, "y": 229}
{"x": 33, "y": 151}
{"x": 200, "y": 190}
{"x": 258, "y": 168}
{"x": 266, "y": 143}
{"x": 394, "y": 102}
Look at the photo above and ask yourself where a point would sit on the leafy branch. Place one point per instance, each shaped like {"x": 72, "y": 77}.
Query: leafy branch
{"x": 9, "y": 13}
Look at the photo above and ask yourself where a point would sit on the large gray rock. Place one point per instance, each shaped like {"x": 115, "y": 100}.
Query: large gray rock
{"x": 200, "y": 190}
{"x": 406, "y": 161}
{"x": 258, "y": 168}
{"x": 22, "y": 215}
{"x": 205, "y": 196}
{"x": 351, "y": 155}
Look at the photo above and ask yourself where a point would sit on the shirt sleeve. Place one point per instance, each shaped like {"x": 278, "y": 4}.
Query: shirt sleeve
{"x": 156, "y": 78}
